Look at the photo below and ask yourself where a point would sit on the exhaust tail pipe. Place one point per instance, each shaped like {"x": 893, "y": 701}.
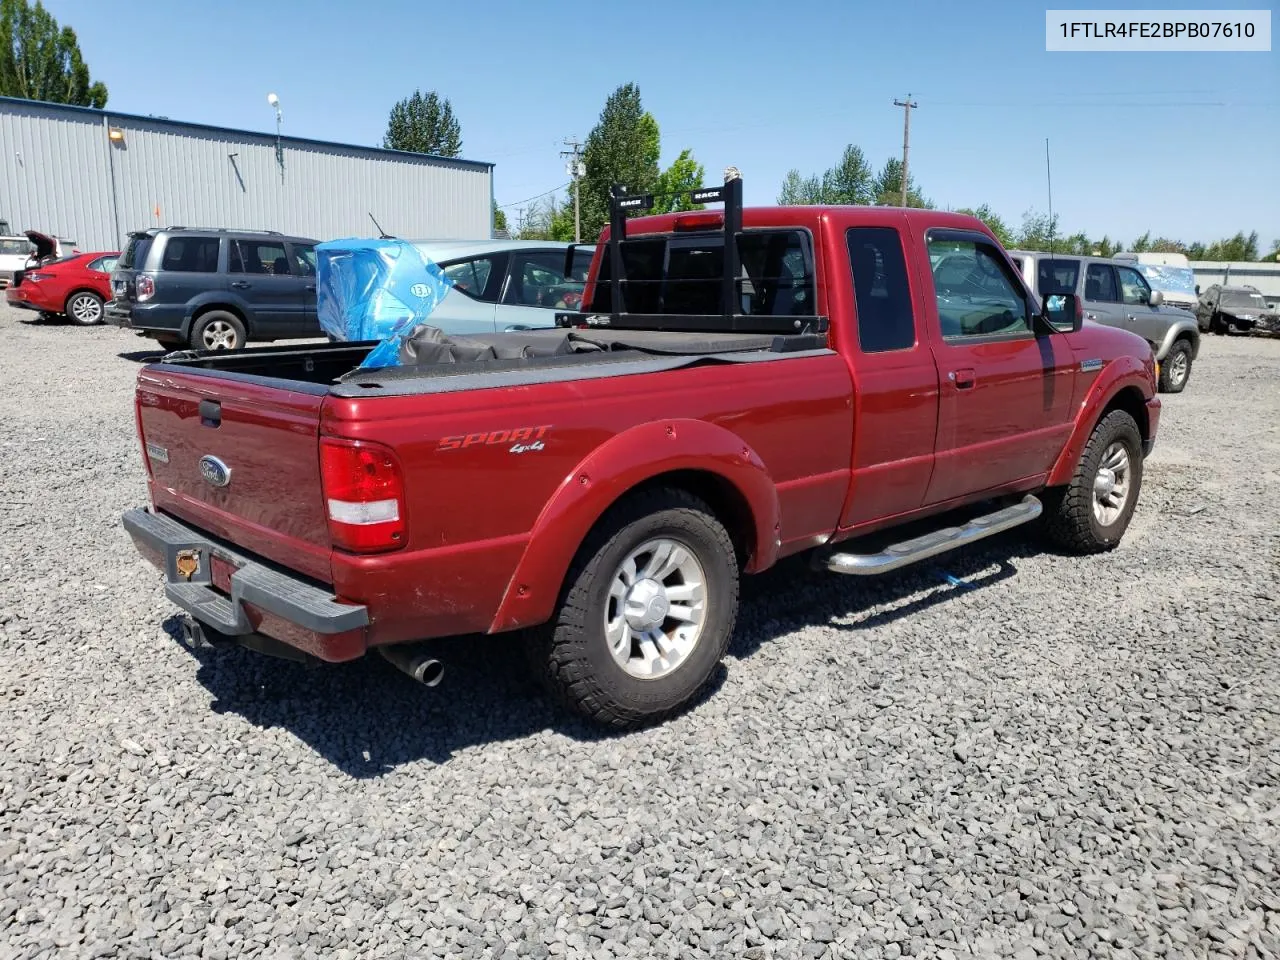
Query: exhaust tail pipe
{"x": 427, "y": 670}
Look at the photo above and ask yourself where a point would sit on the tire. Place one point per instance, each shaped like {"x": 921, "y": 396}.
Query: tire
{"x": 1217, "y": 326}
{"x": 218, "y": 330}
{"x": 1071, "y": 520}
{"x": 84, "y": 308}
{"x": 574, "y": 653}
{"x": 1175, "y": 371}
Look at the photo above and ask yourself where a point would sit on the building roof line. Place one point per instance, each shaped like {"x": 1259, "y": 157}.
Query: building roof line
{"x": 258, "y": 134}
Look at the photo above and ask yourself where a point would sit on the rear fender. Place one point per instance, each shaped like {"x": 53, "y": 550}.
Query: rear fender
{"x": 619, "y": 465}
{"x": 217, "y": 300}
{"x": 1120, "y": 374}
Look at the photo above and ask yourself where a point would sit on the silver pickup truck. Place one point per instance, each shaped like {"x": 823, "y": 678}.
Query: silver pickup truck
{"x": 1114, "y": 293}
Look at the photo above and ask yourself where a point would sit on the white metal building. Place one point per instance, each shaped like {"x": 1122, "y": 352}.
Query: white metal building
{"x": 96, "y": 175}
{"x": 1264, "y": 276}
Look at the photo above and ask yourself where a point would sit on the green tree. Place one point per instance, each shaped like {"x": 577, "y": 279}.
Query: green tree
{"x": 888, "y": 187}
{"x": 1239, "y": 247}
{"x": 850, "y": 181}
{"x": 622, "y": 148}
{"x": 1107, "y": 248}
{"x": 685, "y": 173}
{"x": 424, "y": 124}
{"x": 993, "y": 221}
{"x": 41, "y": 61}
{"x": 799, "y": 191}
{"x": 499, "y": 218}
{"x": 1039, "y": 231}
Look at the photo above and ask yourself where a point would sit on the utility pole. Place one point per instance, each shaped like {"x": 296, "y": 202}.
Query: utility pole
{"x": 575, "y": 168}
{"x": 907, "y": 106}
{"x": 520, "y": 221}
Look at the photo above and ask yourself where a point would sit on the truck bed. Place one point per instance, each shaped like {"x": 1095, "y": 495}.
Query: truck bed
{"x": 515, "y": 358}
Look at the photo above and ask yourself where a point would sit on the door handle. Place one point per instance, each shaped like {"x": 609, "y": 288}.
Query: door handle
{"x": 311, "y": 286}
{"x": 963, "y": 379}
{"x": 1091, "y": 316}
{"x": 241, "y": 284}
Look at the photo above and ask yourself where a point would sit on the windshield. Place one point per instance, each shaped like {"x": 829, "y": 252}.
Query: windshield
{"x": 1175, "y": 280}
{"x": 1242, "y": 298}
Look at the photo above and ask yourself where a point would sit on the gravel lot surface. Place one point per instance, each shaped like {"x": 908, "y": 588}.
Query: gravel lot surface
{"x": 1062, "y": 757}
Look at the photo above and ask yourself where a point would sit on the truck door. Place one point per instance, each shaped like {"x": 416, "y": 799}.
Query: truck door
{"x": 1102, "y": 295}
{"x": 1005, "y": 399}
{"x": 895, "y": 381}
{"x": 1139, "y": 316}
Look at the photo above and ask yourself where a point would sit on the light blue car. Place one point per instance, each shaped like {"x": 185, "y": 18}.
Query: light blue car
{"x": 504, "y": 285}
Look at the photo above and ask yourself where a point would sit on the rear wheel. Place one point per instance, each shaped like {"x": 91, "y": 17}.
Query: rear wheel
{"x": 647, "y": 612}
{"x": 218, "y": 330}
{"x": 1092, "y": 512}
{"x": 84, "y": 308}
{"x": 1176, "y": 369}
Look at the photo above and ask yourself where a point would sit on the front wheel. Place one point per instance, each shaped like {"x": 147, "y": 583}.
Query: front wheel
{"x": 1092, "y": 512}
{"x": 1176, "y": 369}
{"x": 84, "y": 308}
{"x": 647, "y": 613}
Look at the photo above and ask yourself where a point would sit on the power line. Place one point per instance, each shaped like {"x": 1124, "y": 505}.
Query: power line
{"x": 507, "y": 206}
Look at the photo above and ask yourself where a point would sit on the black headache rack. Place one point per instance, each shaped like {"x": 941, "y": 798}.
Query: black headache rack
{"x": 811, "y": 327}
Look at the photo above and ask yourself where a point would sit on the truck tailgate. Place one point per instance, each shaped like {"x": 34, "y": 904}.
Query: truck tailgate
{"x": 240, "y": 461}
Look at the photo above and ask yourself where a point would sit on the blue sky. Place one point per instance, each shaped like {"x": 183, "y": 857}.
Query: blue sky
{"x": 1186, "y": 145}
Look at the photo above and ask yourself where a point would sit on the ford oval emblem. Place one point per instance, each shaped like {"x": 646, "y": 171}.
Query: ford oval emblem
{"x": 215, "y": 471}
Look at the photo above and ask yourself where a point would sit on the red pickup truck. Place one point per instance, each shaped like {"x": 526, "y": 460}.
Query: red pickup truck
{"x": 875, "y": 385}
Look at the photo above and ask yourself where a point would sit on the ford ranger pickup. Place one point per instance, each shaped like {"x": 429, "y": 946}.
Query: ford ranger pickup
{"x": 738, "y": 385}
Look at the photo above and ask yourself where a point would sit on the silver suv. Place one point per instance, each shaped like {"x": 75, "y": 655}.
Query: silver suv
{"x": 1115, "y": 294}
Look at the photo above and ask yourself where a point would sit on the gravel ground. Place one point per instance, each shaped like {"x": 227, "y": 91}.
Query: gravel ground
{"x": 1061, "y": 757}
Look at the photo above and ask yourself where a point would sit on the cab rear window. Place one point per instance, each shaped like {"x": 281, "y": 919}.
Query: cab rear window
{"x": 681, "y": 274}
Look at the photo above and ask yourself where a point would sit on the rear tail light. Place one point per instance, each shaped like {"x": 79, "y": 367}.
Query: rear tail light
{"x": 146, "y": 288}
{"x": 364, "y": 495}
{"x": 33, "y": 277}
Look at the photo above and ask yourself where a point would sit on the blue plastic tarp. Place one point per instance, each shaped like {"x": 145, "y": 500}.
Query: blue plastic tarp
{"x": 376, "y": 290}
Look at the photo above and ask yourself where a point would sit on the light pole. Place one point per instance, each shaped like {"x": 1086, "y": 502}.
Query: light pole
{"x": 275, "y": 102}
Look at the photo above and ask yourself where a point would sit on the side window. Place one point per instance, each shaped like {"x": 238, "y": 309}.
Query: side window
{"x": 1055, "y": 277}
{"x": 478, "y": 277}
{"x": 304, "y": 259}
{"x": 883, "y": 296}
{"x": 976, "y": 294}
{"x": 538, "y": 280}
{"x": 103, "y": 264}
{"x": 1133, "y": 288}
{"x": 191, "y": 254}
{"x": 259, "y": 256}
{"x": 1100, "y": 284}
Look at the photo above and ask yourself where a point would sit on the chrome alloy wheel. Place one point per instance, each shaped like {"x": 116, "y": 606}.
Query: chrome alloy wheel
{"x": 219, "y": 335}
{"x": 1111, "y": 485}
{"x": 656, "y": 609}
{"x": 86, "y": 309}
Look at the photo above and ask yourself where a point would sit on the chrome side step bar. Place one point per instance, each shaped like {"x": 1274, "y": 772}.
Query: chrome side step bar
{"x": 931, "y": 544}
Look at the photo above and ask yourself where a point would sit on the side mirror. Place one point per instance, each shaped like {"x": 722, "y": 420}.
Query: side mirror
{"x": 1063, "y": 312}
{"x": 1156, "y": 298}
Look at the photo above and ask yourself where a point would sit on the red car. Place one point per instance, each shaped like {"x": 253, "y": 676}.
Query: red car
{"x": 76, "y": 286}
